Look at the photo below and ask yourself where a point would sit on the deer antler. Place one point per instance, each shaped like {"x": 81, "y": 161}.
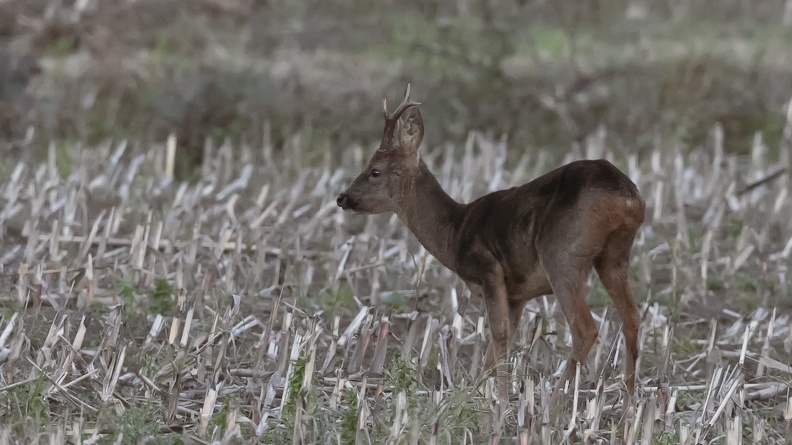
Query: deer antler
{"x": 391, "y": 119}
{"x": 406, "y": 103}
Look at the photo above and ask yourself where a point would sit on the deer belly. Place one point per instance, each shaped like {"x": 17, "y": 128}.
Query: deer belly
{"x": 526, "y": 286}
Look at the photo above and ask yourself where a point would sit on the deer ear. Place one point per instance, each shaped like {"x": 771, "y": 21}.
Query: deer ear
{"x": 411, "y": 131}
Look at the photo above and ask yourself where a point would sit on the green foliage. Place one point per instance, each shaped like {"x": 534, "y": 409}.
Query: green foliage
{"x": 149, "y": 363}
{"x": 161, "y": 301}
{"x": 349, "y": 417}
{"x": 63, "y": 159}
{"x": 220, "y": 417}
{"x": 734, "y": 226}
{"x": 683, "y": 345}
{"x": 281, "y": 433}
{"x": 140, "y": 423}
{"x": 24, "y": 403}
{"x": 666, "y": 438}
{"x": 127, "y": 293}
{"x": 402, "y": 375}
{"x": 337, "y": 300}
{"x": 295, "y": 385}
{"x": 715, "y": 283}
{"x": 745, "y": 283}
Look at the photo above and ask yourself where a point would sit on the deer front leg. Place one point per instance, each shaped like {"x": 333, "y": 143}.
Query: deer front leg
{"x": 515, "y": 314}
{"x": 496, "y": 301}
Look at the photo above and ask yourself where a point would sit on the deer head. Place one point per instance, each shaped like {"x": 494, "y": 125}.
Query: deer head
{"x": 394, "y": 166}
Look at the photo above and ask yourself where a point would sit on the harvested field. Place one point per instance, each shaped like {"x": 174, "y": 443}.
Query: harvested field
{"x": 174, "y": 266}
{"x": 248, "y": 305}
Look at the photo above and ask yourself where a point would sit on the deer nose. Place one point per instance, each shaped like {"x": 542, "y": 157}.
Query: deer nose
{"x": 342, "y": 200}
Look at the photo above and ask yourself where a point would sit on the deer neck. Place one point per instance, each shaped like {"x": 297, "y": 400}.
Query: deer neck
{"x": 432, "y": 216}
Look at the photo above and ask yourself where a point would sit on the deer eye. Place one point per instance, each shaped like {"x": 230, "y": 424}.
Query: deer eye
{"x": 375, "y": 173}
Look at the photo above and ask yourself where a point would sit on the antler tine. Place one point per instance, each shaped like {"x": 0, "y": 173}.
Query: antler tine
{"x": 406, "y": 102}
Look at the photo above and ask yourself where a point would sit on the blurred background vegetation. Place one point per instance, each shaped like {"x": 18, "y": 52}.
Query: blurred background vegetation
{"x": 545, "y": 73}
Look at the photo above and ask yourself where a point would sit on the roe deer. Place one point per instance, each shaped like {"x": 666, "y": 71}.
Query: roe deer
{"x": 513, "y": 245}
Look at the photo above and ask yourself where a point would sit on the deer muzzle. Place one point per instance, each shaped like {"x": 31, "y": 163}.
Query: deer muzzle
{"x": 344, "y": 201}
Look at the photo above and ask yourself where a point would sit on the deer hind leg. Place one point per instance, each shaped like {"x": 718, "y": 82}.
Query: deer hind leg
{"x": 612, "y": 267}
{"x": 567, "y": 274}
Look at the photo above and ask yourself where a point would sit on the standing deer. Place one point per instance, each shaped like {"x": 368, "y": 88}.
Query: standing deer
{"x": 513, "y": 245}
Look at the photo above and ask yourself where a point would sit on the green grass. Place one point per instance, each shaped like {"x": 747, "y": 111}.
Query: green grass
{"x": 25, "y": 407}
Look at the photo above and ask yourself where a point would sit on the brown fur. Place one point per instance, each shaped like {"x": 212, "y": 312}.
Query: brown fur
{"x": 513, "y": 245}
